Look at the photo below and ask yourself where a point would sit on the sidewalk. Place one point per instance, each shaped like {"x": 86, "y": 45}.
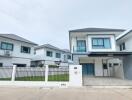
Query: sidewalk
{"x": 64, "y": 94}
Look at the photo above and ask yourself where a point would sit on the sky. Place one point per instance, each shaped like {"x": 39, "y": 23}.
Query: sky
{"x": 49, "y": 21}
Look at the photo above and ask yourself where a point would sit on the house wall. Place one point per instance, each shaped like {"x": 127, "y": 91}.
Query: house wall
{"x": 89, "y": 43}
{"x": 127, "y": 66}
{"x": 41, "y": 55}
{"x": 16, "y": 55}
{"x": 74, "y": 36}
{"x": 127, "y": 61}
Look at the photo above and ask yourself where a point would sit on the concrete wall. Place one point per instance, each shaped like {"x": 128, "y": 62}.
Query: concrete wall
{"x": 127, "y": 63}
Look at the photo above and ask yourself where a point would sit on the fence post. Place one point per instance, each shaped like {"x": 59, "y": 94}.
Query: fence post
{"x": 46, "y": 73}
{"x": 13, "y": 73}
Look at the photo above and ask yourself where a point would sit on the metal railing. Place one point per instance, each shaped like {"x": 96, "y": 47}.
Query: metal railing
{"x": 30, "y": 74}
{"x": 79, "y": 49}
{"x": 46, "y": 73}
{"x": 5, "y": 73}
{"x": 58, "y": 74}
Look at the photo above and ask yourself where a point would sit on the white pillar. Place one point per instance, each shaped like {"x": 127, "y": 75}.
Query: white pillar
{"x": 46, "y": 73}
{"x": 13, "y": 73}
{"x": 75, "y": 75}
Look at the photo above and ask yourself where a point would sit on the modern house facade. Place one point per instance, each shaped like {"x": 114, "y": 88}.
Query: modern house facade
{"x": 50, "y": 55}
{"x": 97, "y": 51}
{"x": 15, "y": 50}
{"x": 124, "y": 43}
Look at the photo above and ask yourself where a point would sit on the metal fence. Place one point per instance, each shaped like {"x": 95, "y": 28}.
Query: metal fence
{"x": 58, "y": 74}
{"x": 30, "y": 74}
{"x": 5, "y": 73}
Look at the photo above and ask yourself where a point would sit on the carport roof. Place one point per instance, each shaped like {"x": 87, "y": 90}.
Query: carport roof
{"x": 109, "y": 54}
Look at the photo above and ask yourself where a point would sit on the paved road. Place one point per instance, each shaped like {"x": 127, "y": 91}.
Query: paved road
{"x": 64, "y": 94}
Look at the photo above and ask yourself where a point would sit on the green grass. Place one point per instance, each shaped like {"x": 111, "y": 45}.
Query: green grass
{"x": 62, "y": 77}
{"x": 5, "y": 79}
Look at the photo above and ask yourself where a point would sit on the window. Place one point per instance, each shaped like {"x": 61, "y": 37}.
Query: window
{"x": 58, "y": 55}
{"x": 122, "y": 46}
{"x": 101, "y": 43}
{"x": 105, "y": 66}
{"x": 25, "y": 49}
{"x": 6, "y": 46}
{"x": 1, "y": 64}
{"x": 81, "y": 46}
{"x": 68, "y": 56}
{"x": 49, "y": 53}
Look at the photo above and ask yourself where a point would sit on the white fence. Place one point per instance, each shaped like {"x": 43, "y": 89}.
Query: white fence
{"x": 44, "y": 77}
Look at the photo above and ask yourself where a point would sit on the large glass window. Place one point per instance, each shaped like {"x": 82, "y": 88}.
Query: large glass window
{"x": 81, "y": 46}
{"x": 101, "y": 43}
{"x": 49, "y": 53}
{"x": 7, "y": 46}
{"x": 25, "y": 49}
{"x": 58, "y": 55}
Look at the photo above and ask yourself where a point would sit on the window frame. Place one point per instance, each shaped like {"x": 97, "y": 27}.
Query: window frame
{"x": 79, "y": 47}
{"x": 7, "y": 46}
{"x": 49, "y": 55}
{"x": 100, "y": 46}
{"x": 22, "y": 51}
{"x": 56, "y": 55}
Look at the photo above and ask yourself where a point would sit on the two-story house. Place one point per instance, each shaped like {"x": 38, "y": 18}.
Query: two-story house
{"x": 15, "y": 50}
{"x": 50, "y": 55}
{"x": 95, "y": 49}
{"x": 124, "y": 43}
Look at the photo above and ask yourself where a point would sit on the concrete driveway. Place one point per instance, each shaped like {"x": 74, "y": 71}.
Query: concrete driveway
{"x": 64, "y": 94}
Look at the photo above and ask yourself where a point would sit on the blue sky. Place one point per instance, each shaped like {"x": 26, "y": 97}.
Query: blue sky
{"x": 48, "y": 21}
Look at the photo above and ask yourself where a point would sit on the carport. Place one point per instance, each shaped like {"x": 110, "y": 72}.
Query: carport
{"x": 108, "y": 67}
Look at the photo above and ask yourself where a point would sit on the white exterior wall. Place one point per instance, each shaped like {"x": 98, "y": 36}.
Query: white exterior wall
{"x": 41, "y": 55}
{"x": 16, "y": 55}
{"x": 98, "y": 67}
{"x": 74, "y": 36}
{"x": 112, "y": 39}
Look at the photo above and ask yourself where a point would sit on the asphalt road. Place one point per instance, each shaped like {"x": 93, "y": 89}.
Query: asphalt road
{"x": 14, "y": 93}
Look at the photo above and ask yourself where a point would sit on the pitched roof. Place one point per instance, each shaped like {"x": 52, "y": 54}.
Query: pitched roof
{"x": 48, "y": 46}
{"x": 124, "y": 34}
{"x": 16, "y": 37}
{"x": 97, "y": 30}
{"x": 51, "y": 47}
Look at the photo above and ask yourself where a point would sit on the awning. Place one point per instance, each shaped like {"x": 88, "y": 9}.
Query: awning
{"x": 109, "y": 54}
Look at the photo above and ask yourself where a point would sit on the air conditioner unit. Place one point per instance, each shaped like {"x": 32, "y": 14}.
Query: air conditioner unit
{"x": 7, "y": 53}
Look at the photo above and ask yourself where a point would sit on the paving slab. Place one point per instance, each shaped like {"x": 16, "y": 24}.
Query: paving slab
{"x": 15, "y": 93}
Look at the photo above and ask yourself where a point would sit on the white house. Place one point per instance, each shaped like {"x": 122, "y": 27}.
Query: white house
{"x": 50, "y": 55}
{"x": 124, "y": 43}
{"x": 15, "y": 50}
{"x": 95, "y": 49}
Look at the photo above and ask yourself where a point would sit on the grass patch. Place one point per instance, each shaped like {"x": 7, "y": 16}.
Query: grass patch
{"x": 5, "y": 79}
{"x": 62, "y": 77}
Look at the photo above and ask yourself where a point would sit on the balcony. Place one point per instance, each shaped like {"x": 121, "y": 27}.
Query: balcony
{"x": 79, "y": 49}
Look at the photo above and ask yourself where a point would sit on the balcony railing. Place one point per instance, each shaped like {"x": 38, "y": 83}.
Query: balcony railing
{"x": 79, "y": 49}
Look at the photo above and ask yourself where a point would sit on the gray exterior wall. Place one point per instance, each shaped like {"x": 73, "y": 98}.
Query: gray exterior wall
{"x": 127, "y": 63}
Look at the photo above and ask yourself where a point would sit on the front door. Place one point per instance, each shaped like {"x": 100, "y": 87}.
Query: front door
{"x": 88, "y": 69}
